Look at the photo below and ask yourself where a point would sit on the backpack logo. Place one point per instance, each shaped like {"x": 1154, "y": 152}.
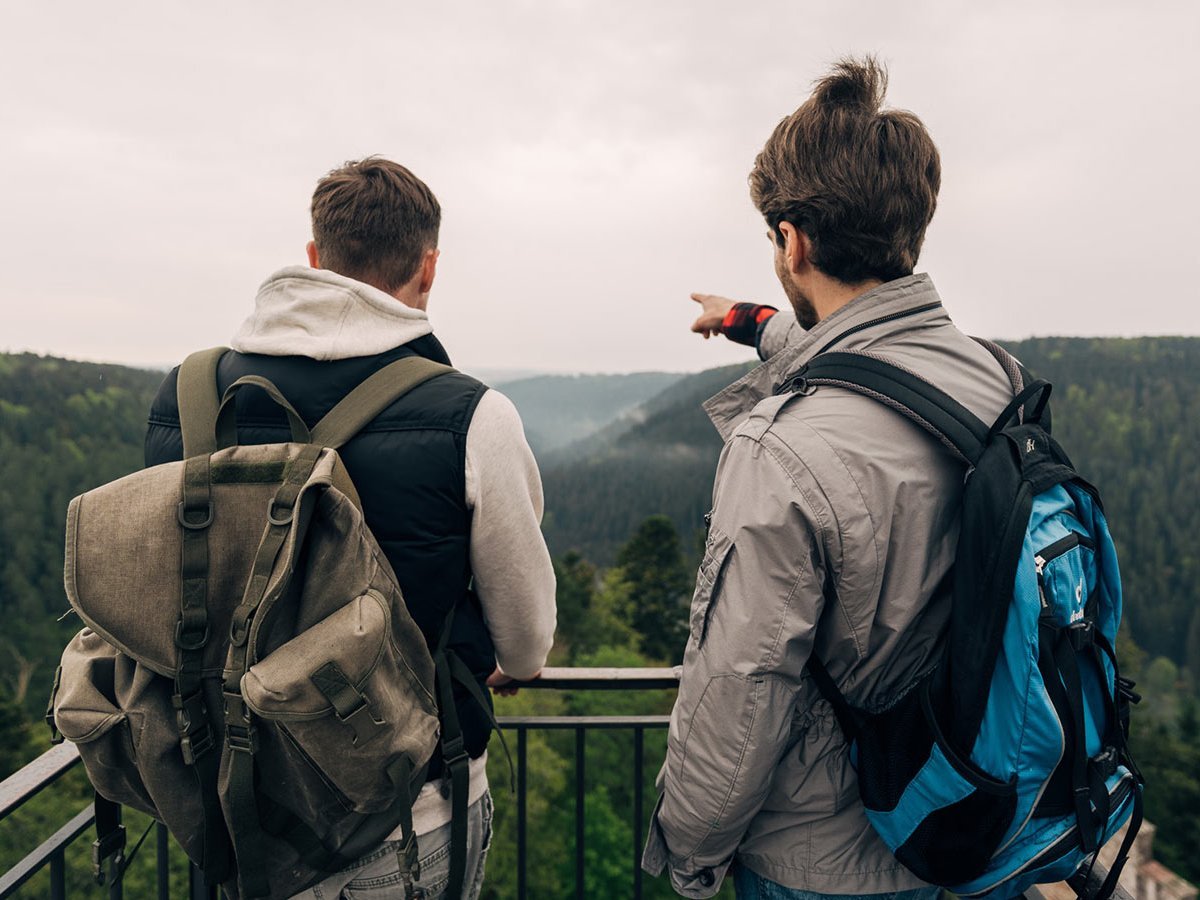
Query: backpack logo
{"x": 1030, "y": 446}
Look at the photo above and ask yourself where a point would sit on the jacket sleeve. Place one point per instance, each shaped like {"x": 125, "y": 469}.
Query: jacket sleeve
{"x": 164, "y": 440}
{"x": 775, "y": 333}
{"x": 513, "y": 574}
{"x": 753, "y": 619}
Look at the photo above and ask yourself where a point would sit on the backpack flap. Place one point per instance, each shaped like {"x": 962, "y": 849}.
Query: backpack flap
{"x": 125, "y": 541}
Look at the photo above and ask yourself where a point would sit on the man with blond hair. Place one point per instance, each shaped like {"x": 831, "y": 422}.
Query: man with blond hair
{"x": 449, "y": 487}
{"x": 834, "y": 519}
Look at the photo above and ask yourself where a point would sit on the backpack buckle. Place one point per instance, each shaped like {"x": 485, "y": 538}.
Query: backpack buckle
{"x": 363, "y": 724}
{"x": 110, "y": 846}
{"x": 196, "y": 746}
{"x": 242, "y": 739}
{"x": 240, "y": 733}
{"x": 1104, "y": 763}
{"x": 1082, "y": 634}
{"x": 195, "y": 734}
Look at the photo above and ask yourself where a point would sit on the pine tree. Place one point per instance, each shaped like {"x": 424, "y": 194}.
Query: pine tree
{"x": 652, "y": 564}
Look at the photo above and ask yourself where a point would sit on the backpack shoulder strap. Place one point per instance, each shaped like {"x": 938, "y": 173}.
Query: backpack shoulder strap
{"x": 198, "y": 400}
{"x": 956, "y": 427}
{"x": 379, "y": 391}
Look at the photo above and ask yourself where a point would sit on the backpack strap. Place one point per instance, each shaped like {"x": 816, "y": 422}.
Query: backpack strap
{"x": 955, "y": 426}
{"x": 454, "y": 759}
{"x": 375, "y": 394}
{"x": 198, "y": 401}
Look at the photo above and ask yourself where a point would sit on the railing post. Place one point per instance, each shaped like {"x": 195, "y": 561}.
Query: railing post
{"x": 162, "y": 839}
{"x": 58, "y": 875}
{"x": 580, "y": 791}
{"x": 198, "y": 887}
{"x": 116, "y": 890}
{"x": 639, "y": 747}
{"x": 522, "y": 787}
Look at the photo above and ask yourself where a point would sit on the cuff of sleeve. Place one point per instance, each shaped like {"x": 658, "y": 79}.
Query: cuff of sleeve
{"x": 688, "y": 878}
{"x": 743, "y": 320}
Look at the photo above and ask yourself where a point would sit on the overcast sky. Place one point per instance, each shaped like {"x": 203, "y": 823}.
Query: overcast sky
{"x": 590, "y": 158}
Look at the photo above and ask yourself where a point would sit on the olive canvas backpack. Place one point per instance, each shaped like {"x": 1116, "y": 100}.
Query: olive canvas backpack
{"x": 249, "y": 673}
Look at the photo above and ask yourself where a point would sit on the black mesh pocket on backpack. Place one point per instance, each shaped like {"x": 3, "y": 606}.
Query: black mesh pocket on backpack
{"x": 954, "y": 844}
{"x": 893, "y": 745}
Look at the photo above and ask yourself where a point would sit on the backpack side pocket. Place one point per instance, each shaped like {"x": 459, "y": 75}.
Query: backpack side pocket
{"x": 87, "y": 714}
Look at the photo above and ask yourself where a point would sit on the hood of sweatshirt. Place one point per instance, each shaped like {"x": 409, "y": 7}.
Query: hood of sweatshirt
{"x": 300, "y": 311}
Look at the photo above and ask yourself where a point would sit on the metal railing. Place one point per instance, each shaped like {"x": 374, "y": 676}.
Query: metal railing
{"x": 21, "y": 787}
{"x": 589, "y": 680}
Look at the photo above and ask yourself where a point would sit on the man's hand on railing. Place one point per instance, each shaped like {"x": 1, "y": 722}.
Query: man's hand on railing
{"x": 498, "y": 682}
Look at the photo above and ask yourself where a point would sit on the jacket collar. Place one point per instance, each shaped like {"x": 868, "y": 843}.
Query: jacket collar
{"x": 891, "y": 308}
{"x": 316, "y": 313}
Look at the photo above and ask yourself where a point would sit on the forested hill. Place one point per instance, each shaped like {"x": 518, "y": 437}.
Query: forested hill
{"x": 65, "y": 427}
{"x": 1127, "y": 410}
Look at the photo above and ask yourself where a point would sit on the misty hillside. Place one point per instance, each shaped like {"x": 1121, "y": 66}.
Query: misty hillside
{"x": 558, "y": 410}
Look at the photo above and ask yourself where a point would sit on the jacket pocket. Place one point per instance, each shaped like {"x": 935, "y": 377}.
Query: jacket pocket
{"x": 87, "y": 714}
{"x": 716, "y": 554}
{"x": 345, "y": 705}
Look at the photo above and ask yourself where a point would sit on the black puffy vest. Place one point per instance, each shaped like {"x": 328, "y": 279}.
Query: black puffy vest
{"x": 409, "y": 468}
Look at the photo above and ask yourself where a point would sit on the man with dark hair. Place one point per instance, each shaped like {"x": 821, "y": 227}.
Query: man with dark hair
{"x": 834, "y": 518}
{"x": 448, "y": 484}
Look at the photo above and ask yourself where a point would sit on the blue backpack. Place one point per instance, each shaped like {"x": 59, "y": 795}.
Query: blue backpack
{"x": 1007, "y": 765}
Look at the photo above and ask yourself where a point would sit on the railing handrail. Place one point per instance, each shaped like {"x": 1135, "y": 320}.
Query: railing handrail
{"x": 37, "y": 774}
{"x": 604, "y": 678}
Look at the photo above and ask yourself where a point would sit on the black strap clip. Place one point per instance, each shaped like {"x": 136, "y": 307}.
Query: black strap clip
{"x": 110, "y": 846}
{"x": 1104, "y": 763}
{"x": 1081, "y": 634}
{"x": 454, "y": 751}
{"x": 242, "y": 739}
{"x": 1125, "y": 690}
{"x": 240, "y": 733}
{"x": 196, "y": 737}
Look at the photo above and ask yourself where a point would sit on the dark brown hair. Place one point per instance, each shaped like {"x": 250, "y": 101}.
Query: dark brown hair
{"x": 860, "y": 181}
{"x": 373, "y": 220}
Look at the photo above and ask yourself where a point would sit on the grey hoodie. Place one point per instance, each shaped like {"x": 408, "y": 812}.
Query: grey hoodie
{"x": 830, "y": 485}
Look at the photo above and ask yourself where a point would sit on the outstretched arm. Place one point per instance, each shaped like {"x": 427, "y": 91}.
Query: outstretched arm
{"x": 739, "y": 322}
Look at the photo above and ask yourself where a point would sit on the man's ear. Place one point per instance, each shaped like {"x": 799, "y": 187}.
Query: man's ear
{"x": 428, "y": 271}
{"x": 797, "y": 248}
{"x": 313, "y": 259}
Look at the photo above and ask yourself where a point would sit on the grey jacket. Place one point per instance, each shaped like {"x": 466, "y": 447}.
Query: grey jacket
{"x": 825, "y": 489}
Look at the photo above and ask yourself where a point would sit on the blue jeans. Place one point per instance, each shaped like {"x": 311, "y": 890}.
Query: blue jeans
{"x": 752, "y": 886}
{"x": 378, "y": 876}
